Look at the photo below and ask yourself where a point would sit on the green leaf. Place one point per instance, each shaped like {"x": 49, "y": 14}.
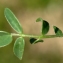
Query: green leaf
{"x": 57, "y": 30}
{"x": 39, "y": 41}
{"x": 45, "y": 26}
{"x": 5, "y": 38}
{"x": 34, "y": 40}
{"x": 39, "y": 19}
{"x": 12, "y": 20}
{"x": 19, "y": 47}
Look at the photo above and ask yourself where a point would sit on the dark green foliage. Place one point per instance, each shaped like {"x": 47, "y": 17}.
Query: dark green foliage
{"x": 33, "y": 40}
{"x": 57, "y": 30}
{"x": 45, "y": 26}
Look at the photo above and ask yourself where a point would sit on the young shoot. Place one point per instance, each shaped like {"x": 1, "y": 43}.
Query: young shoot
{"x": 19, "y": 44}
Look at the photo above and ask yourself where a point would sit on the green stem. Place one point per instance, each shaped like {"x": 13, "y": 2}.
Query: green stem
{"x": 14, "y": 34}
{"x": 52, "y": 36}
{"x": 37, "y": 36}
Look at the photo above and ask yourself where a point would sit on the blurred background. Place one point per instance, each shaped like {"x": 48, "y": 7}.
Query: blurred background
{"x": 27, "y": 11}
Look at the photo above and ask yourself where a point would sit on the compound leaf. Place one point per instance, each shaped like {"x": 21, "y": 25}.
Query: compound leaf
{"x": 45, "y": 26}
{"x": 19, "y": 47}
{"x": 57, "y": 30}
{"x": 12, "y": 20}
{"x": 5, "y": 38}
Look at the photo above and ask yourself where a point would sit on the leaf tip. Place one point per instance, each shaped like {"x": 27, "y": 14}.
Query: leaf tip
{"x": 6, "y": 9}
{"x": 39, "y": 19}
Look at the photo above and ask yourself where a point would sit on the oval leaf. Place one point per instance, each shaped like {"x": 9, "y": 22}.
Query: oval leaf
{"x": 5, "y": 38}
{"x": 45, "y": 26}
{"x": 34, "y": 40}
{"x": 12, "y": 20}
{"x": 57, "y": 30}
{"x": 19, "y": 47}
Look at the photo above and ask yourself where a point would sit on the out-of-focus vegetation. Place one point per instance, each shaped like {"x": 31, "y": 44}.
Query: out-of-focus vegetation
{"x": 51, "y": 50}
